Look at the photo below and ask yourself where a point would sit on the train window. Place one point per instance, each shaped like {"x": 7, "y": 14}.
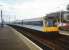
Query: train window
{"x": 50, "y": 21}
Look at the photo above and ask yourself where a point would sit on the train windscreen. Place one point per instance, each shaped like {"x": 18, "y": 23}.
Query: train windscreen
{"x": 51, "y": 21}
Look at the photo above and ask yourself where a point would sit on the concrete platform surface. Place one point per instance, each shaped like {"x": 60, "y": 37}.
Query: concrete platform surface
{"x": 10, "y": 39}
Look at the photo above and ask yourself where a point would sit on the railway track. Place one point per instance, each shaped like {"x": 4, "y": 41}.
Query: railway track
{"x": 45, "y": 40}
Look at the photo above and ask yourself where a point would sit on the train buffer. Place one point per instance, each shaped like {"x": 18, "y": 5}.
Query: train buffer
{"x": 13, "y": 40}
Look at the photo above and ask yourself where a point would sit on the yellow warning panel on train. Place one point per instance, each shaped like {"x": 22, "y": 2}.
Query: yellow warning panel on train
{"x": 50, "y": 29}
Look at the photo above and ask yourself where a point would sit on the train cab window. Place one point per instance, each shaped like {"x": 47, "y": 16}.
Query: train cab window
{"x": 51, "y": 21}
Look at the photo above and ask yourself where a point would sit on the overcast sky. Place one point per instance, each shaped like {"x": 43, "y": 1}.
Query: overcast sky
{"x": 25, "y": 9}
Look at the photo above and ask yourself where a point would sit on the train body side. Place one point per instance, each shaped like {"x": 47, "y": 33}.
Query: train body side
{"x": 39, "y": 22}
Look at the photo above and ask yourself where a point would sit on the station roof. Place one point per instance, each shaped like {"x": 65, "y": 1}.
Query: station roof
{"x": 56, "y": 14}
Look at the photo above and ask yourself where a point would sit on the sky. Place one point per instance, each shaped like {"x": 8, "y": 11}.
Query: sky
{"x": 26, "y": 9}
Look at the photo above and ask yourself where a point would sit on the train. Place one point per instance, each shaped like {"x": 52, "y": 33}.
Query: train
{"x": 53, "y": 22}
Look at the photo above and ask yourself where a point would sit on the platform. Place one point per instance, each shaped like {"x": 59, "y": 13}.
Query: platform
{"x": 10, "y": 39}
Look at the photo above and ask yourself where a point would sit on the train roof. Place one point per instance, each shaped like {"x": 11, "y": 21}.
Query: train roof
{"x": 34, "y": 19}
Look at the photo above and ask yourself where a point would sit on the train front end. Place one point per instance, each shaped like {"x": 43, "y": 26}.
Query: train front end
{"x": 50, "y": 25}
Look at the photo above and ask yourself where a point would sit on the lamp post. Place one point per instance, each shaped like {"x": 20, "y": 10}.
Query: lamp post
{"x": 60, "y": 16}
{"x": 2, "y": 23}
{"x": 2, "y": 20}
